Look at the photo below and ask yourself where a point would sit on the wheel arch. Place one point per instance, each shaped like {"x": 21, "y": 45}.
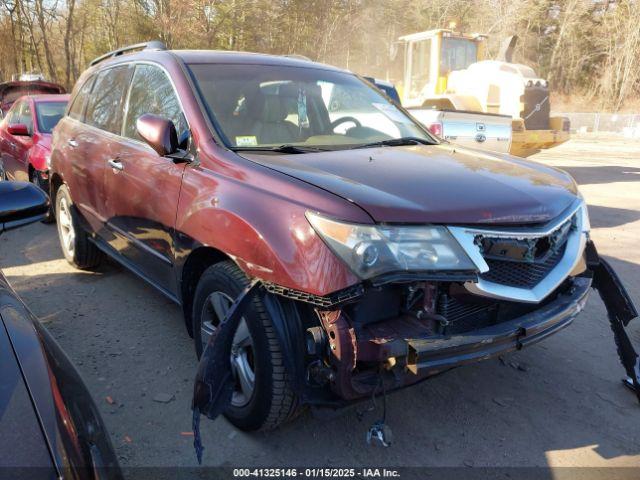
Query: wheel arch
{"x": 55, "y": 183}
{"x": 194, "y": 266}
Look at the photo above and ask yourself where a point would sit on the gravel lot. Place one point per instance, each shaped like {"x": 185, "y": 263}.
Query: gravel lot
{"x": 559, "y": 403}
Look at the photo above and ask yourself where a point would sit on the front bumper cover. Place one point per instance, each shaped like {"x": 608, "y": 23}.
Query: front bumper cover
{"x": 431, "y": 356}
{"x": 620, "y": 310}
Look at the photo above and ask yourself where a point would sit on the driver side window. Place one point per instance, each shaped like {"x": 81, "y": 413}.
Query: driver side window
{"x": 26, "y": 117}
{"x": 14, "y": 114}
{"x": 152, "y": 92}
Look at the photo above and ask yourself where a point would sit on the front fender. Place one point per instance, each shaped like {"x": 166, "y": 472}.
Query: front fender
{"x": 257, "y": 217}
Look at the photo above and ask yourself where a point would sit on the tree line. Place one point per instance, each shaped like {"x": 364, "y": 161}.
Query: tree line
{"x": 583, "y": 47}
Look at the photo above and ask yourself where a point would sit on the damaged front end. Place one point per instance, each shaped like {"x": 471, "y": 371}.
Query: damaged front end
{"x": 396, "y": 329}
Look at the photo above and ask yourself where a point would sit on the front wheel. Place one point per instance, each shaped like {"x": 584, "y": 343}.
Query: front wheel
{"x": 74, "y": 240}
{"x": 36, "y": 178}
{"x": 262, "y": 397}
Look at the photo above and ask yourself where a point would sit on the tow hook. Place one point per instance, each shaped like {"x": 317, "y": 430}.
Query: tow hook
{"x": 379, "y": 435}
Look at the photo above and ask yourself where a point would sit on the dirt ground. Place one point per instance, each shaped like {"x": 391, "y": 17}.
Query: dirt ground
{"x": 559, "y": 403}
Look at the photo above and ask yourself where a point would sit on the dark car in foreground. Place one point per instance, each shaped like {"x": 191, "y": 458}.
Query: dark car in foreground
{"x": 323, "y": 246}
{"x": 25, "y": 138}
{"x": 49, "y": 426}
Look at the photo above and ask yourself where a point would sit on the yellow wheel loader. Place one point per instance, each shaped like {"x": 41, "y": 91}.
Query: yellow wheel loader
{"x": 446, "y": 70}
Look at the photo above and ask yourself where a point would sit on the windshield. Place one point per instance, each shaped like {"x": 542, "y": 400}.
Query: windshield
{"x": 457, "y": 54}
{"x": 49, "y": 114}
{"x": 258, "y": 106}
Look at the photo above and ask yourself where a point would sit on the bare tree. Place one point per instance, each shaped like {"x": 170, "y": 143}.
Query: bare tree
{"x": 584, "y": 47}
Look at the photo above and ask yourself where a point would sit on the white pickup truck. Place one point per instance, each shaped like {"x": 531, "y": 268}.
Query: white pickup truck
{"x": 486, "y": 131}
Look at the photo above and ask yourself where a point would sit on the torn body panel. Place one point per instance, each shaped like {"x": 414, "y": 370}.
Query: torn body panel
{"x": 620, "y": 310}
{"x": 213, "y": 387}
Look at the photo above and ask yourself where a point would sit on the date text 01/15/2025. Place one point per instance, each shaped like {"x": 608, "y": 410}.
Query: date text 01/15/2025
{"x": 315, "y": 473}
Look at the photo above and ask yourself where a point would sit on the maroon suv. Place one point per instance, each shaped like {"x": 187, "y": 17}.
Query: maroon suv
{"x": 364, "y": 254}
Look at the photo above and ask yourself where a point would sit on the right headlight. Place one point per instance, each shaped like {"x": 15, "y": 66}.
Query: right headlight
{"x": 586, "y": 223}
{"x": 372, "y": 250}
{"x": 584, "y": 212}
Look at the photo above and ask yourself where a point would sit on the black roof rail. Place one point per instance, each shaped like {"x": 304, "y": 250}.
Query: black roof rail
{"x": 152, "y": 45}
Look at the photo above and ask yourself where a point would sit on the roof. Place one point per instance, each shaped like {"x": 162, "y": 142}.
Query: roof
{"x": 10, "y": 91}
{"x": 221, "y": 56}
{"x": 217, "y": 56}
{"x": 49, "y": 98}
{"x": 30, "y": 84}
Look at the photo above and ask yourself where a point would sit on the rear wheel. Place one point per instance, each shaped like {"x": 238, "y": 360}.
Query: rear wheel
{"x": 3, "y": 173}
{"x": 74, "y": 240}
{"x": 262, "y": 397}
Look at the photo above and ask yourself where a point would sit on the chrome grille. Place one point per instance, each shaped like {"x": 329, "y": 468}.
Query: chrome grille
{"x": 521, "y": 274}
{"x": 524, "y": 263}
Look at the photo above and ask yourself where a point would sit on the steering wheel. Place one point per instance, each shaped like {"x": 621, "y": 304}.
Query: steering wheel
{"x": 341, "y": 120}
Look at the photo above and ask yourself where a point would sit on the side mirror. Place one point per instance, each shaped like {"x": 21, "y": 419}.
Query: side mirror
{"x": 18, "y": 129}
{"x": 21, "y": 203}
{"x": 159, "y": 132}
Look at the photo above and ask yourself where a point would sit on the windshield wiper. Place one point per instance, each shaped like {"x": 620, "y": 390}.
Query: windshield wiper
{"x": 396, "y": 142}
{"x": 286, "y": 148}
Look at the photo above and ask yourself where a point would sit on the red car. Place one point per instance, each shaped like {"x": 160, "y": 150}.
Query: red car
{"x": 362, "y": 253}
{"x": 25, "y": 138}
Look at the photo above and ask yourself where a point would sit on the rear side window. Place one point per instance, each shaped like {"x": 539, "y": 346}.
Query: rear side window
{"x": 80, "y": 100}
{"x": 104, "y": 110}
{"x": 152, "y": 92}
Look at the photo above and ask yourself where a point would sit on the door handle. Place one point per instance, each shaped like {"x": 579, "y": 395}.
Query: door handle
{"x": 72, "y": 143}
{"x": 116, "y": 164}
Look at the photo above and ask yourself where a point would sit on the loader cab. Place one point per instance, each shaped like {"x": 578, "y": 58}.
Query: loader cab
{"x": 429, "y": 59}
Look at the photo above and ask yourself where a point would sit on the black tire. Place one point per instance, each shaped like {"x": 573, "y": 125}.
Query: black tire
{"x": 273, "y": 401}
{"x": 83, "y": 254}
{"x": 38, "y": 181}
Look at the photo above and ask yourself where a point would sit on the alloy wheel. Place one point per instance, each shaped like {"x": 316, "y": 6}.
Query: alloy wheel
{"x": 242, "y": 358}
{"x": 65, "y": 227}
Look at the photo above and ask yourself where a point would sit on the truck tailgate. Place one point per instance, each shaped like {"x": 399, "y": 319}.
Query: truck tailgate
{"x": 471, "y": 129}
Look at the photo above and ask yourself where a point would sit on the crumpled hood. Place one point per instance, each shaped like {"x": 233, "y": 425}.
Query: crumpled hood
{"x": 434, "y": 184}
